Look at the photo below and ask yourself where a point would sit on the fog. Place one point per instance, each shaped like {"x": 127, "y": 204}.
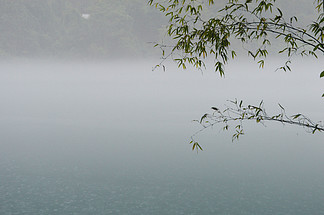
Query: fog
{"x": 113, "y": 138}
{"x": 87, "y": 127}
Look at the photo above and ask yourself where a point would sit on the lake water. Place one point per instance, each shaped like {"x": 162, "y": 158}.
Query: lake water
{"x": 113, "y": 138}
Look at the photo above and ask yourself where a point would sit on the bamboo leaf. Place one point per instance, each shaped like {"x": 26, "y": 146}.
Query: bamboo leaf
{"x": 203, "y": 117}
{"x": 322, "y": 74}
{"x": 199, "y": 147}
{"x": 193, "y": 146}
{"x": 281, "y": 106}
{"x": 296, "y": 116}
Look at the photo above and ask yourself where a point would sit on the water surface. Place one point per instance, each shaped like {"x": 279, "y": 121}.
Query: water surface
{"x": 112, "y": 138}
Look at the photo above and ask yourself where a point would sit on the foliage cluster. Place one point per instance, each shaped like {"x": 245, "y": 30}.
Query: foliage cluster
{"x": 197, "y": 34}
{"x": 258, "y": 22}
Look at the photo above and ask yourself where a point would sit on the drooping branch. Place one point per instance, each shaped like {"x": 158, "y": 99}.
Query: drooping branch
{"x": 235, "y": 114}
{"x": 247, "y": 21}
{"x": 257, "y": 22}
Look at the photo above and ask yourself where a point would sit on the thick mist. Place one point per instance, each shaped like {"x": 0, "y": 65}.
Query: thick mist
{"x": 113, "y": 138}
{"x": 86, "y": 126}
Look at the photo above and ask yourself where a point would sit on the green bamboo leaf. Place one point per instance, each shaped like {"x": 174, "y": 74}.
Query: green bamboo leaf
{"x": 199, "y": 147}
{"x": 281, "y": 106}
{"x": 215, "y": 108}
{"x": 322, "y": 74}
{"x": 296, "y": 116}
{"x": 193, "y": 146}
{"x": 203, "y": 117}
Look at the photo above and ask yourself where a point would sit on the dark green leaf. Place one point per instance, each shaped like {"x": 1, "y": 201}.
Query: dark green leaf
{"x": 199, "y": 147}
{"x": 203, "y": 117}
{"x": 322, "y": 74}
{"x": 194, "y": 146}
{"x": 281, "y": 106}
{"x": 296, "y": 116}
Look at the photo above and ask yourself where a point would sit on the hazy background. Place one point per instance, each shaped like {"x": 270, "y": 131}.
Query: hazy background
{"x": 105, "y": 138}
{"x": 110, "y": 29}
{"x": 97, "y": 131}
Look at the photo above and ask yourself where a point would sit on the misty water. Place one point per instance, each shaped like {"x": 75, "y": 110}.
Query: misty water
{"x": 113, "y": 138}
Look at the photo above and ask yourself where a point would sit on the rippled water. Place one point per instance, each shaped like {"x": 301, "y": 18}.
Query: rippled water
{"x": 111, "y": 138}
